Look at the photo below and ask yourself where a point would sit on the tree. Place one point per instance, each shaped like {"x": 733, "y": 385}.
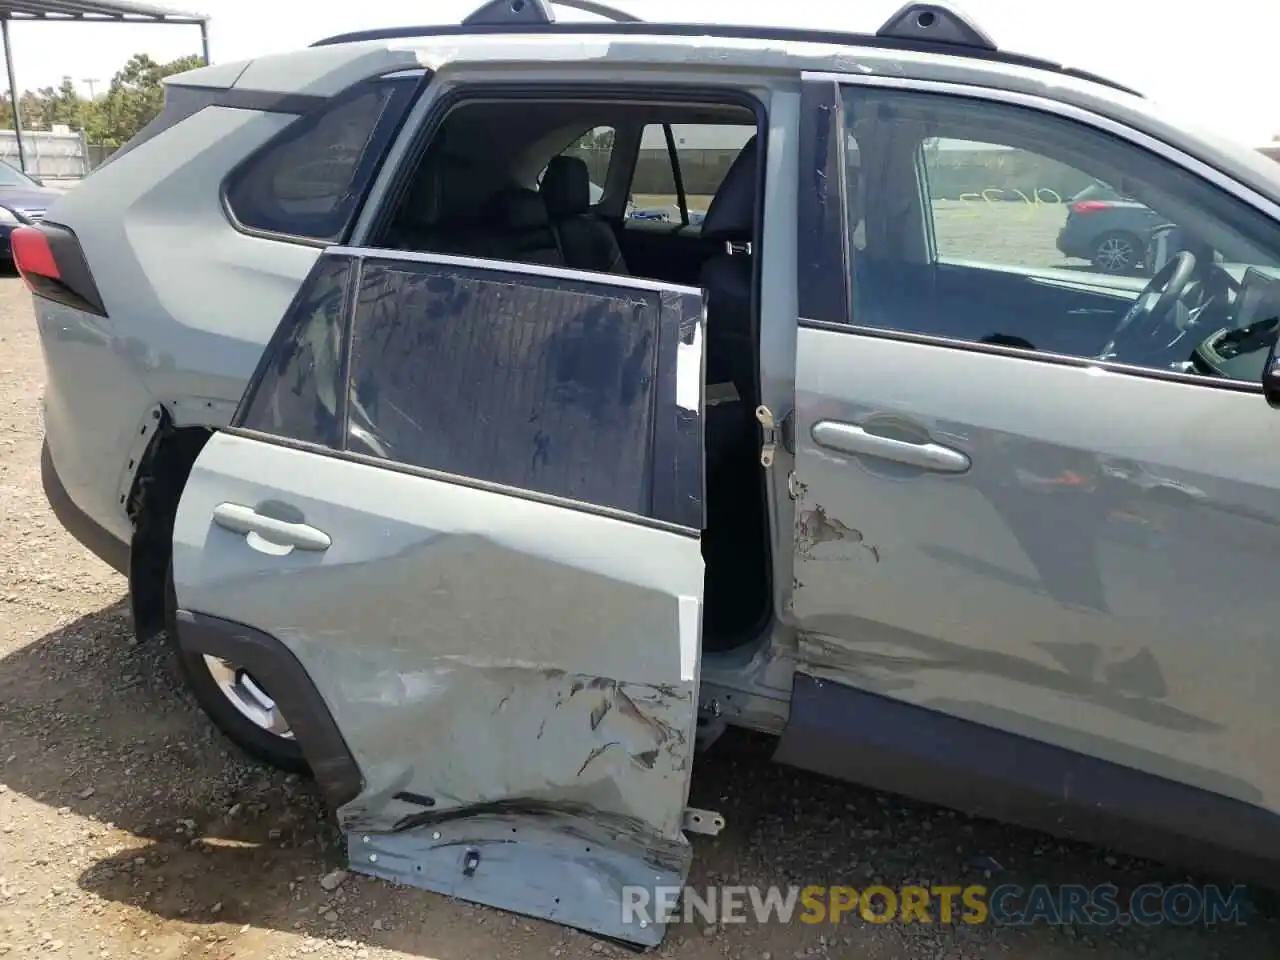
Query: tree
{"x": 600, "y": 139}
{"x": 65, "y": 106}
{"x": 134, "y": 98}
{"x": 114, "y": 117}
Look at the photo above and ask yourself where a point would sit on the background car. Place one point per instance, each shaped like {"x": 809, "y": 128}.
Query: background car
{"x": 1109, "y": 230}
{"x": 22, "y": 197}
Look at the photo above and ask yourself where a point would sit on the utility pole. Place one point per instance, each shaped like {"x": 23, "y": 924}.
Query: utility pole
{"x": 92, "y": 84}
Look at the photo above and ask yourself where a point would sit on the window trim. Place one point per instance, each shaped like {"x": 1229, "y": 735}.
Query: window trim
{"x": 474, "y": 483}
{"x": 824, "y": 80}
{"x": 405, "y": 86}
{"x": 1086, "y": 117}
{"x": 1040, "y": 356}
{"x": 664, "y": 437}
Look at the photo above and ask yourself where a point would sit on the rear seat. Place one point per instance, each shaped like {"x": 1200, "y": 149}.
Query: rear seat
{"x": 453, "y": 212}
{"x": 444, "y": 211}
{"x": 523, "y": 229}
{"x": 586, "y": 242}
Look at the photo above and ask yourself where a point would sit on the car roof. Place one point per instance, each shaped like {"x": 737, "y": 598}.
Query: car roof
{"x": 926, "y": 27}
{"x": 964, "y": 57}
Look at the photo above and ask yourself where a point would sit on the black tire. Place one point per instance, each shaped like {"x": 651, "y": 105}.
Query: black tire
{"x": 1108, "y": 246}
{"x": 268, "y": 747}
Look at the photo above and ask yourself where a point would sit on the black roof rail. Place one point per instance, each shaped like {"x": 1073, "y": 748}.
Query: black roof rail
{"x": 918, "y": 27}
{"x": 539, "y": 12}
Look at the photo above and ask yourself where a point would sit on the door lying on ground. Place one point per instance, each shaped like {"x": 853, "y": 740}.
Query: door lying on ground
{"x": 454, "y": 532}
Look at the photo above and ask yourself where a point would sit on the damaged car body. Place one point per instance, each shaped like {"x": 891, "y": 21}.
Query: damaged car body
{"x": 489, "y": 504}
{"x": 528, "y": 705}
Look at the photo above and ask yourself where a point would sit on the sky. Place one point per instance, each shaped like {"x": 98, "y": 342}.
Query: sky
{"x": 1213, "y": 60}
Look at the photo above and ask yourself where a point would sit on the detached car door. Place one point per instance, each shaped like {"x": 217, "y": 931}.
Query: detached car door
{"x": 453, "y": 530}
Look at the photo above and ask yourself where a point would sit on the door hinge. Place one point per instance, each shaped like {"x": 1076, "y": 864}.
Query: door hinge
{"x": 794, "y": 486}
{"x": 706, "y": 822}
{"x": 774, "y": 432}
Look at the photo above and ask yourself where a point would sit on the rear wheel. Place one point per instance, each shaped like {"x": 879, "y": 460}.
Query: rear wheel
{"x": 1117, "y": 252}
{"x": 237, "y": 702}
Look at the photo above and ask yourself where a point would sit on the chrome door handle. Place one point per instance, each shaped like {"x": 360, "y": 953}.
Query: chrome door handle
{"x": 238, "y": 518}
{"x": 850, "y": 438}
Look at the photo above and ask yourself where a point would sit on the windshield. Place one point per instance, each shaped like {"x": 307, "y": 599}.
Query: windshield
{"x": 9, "y": 177}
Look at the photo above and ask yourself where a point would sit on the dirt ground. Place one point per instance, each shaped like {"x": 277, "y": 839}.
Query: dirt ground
{"x": 130, "y": 828}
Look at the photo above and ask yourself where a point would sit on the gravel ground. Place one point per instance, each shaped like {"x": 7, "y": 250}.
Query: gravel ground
{"x": 128, "y": 827}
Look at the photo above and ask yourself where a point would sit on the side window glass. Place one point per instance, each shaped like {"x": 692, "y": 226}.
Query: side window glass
{"x": 516, "y": 380}
{"x": 298, "y": 385}
{"x": 1052, "y": 214}
{"x": 653, "y": 185}
{"x": 595, "y": 148}
{"x": 704, "y": 152}
{"x": 1003, "y": 225}
{"x": 308, "y": 181}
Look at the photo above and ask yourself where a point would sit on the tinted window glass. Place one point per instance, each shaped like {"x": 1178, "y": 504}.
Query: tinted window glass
{"x": 308, "y": 182}
{"x": 704, "y": 151}
{"x": 1040, "y": 233}
{"x": 539, "y": 383}
{"x": 595, "y": 148}
{"x": 297, "y": 392}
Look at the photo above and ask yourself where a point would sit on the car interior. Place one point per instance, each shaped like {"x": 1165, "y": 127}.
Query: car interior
{"x": 499, "y": 181}
{"x": 902, "y": 284}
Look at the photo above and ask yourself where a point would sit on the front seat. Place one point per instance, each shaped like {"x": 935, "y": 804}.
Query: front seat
{"x": 727, "y": 277}
{"x": 587, "y": 242}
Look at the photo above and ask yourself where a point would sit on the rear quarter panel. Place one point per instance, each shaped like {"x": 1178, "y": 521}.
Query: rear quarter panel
{"x": 191, "y": 299}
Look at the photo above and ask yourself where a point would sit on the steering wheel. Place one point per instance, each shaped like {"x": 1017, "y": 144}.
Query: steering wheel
{"x": 1149, "y": 312}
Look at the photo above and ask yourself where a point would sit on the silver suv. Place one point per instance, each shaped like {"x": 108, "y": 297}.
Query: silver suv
{"x": 524, "y": 498}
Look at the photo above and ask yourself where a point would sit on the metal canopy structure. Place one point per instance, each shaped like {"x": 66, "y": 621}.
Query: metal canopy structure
{"x": 84, "y": 11}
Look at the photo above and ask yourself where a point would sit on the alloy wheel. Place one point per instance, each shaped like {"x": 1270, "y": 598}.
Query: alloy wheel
{"x": 248, "y": 698}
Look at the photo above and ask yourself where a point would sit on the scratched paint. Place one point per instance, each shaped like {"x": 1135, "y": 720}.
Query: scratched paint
{"x": 814, "y": 527}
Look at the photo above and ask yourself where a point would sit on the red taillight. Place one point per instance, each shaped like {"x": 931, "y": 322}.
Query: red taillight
{"x": 32, "y": 254}
{"x": 52, "y": 263}
{"x": 1090, "y": 206}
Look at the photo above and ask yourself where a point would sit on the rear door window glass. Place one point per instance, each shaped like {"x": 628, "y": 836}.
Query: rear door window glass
{"x": 516, "y": 382}
{"x": 297, "y": 389}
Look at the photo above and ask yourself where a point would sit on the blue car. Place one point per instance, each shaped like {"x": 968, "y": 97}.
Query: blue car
{"x": 23, "y": 199}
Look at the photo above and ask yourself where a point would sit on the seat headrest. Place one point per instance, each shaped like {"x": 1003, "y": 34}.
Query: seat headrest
{"x": 523, "y": 209}
{"x": 566, "y": 186}
{"x": 732, "y": 215}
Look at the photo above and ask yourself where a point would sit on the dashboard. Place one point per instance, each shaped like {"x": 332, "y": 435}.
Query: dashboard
{"x": 1240, "y": 351}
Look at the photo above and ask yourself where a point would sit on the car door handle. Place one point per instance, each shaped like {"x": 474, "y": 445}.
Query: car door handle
{"x": 850, "y": 438}
{"x": 238, "y": 518}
